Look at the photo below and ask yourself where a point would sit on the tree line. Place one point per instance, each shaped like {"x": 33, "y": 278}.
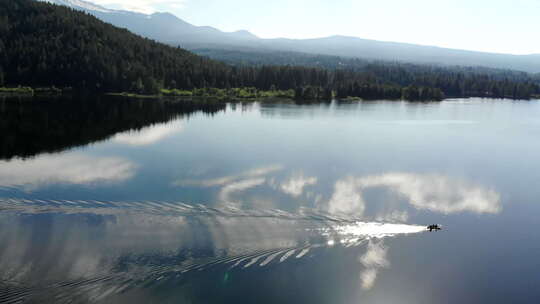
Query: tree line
{"x": 48, "y": 45}
{"x": 454, "y": 81}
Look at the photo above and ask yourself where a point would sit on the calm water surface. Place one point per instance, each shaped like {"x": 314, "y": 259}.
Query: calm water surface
{"x": 122, "y": 201}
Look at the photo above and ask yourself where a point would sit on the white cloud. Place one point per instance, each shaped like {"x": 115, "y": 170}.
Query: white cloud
{"x": 375, "y": 256}
{"x": 224, "y": 180}
{"x": 232, "y": 184}
{"x": 243, "y": 185}
{"x": 295, "y": 185}
{"x": 368, "y": 277}
{"x": 373, "y": 260}
{"x": 438, "y": 193}
{"x": 148, "y": 136}
{"x": 141, "y": 6}
{"x": 396, "y": 215}
{"x": 64, "y": 168}
{"x": 347, "y": 198}
{"x": 430, "y": 192}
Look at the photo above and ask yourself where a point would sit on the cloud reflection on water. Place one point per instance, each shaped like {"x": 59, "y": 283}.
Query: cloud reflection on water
{"x": 72, "y": 168}
{"x": 433, "y": 192}
{"x": 221, "y": 181}
{"x": 238, "y": 186}
{"x": 232, "y": 184}
{"x": 373, "y": 260}
{"x": 438, "y": 193}
{"x": 149, "y": 135}
{"x": 423, "y": 191}
{"x": 295, "y": 185}
{"x": 347, "y": 198}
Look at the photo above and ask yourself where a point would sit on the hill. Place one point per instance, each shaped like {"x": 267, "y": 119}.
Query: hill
{"x": 169, "y": 29}
{"x": 44, "y": 45}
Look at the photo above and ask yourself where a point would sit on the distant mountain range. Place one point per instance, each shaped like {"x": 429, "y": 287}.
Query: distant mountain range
{"x": 167, "y": 28}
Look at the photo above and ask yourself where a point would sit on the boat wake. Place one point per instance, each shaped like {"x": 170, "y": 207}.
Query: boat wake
{"x": 96, "y": 249}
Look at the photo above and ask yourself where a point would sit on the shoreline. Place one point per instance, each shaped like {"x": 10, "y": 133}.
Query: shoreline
{"x": 218, "y": 95}
{"x": 25, "y": 91}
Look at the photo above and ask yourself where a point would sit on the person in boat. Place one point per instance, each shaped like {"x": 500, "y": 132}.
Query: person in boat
{"x": 434, "y": 227}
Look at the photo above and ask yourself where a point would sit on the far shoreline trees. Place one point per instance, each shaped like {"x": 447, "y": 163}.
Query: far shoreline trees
{"x": 44, "y": 45}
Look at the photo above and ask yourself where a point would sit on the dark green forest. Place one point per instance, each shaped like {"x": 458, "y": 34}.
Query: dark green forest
{"x": 455, "y": 81}
{"x": 47, "y": 45}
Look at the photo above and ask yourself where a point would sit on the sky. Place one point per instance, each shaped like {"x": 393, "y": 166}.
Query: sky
{"x": 500, "y": 26}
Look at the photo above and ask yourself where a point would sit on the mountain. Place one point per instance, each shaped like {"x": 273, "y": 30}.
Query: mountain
{"x": 167, "y": 28}
{"x": 352, "y": 47}
{"x": 163, "y": 27}
{"x": 50, "y": 45}
{"x": 81, "y": 5}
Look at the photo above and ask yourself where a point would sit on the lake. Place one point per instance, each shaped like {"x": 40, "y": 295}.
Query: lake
{"x": 111, "y": 200}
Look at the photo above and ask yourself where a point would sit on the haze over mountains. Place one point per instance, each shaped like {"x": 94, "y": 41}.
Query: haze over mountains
{"x": 167, "y": 28}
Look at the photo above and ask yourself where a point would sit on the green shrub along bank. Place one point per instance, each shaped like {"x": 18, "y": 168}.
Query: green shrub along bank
{"x": 242, "y": 93}
{"x": 32, "y": 91}
{"x": 18, "y": 90}
{"x": 227, "y": 94}
{"x": 305, "y": 93}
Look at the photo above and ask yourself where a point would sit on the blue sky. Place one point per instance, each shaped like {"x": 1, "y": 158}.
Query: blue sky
{"x": 503, "y": 26}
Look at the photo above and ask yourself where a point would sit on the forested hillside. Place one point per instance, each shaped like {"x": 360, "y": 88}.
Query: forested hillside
{"x": 48, "y": 45}
{"x": 168, "y": 28}
{"x": 43, "y": 44}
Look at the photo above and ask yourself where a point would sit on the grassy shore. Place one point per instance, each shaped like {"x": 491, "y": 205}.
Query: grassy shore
{"x": 134, "y": 95}
{"x": 28, "y": 91}
{"x": 17, "y": 91}
{"x": 214, "y": 93}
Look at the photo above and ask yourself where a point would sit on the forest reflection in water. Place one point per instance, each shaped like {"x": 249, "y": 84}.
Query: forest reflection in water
{"x": 30, "y": 126}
